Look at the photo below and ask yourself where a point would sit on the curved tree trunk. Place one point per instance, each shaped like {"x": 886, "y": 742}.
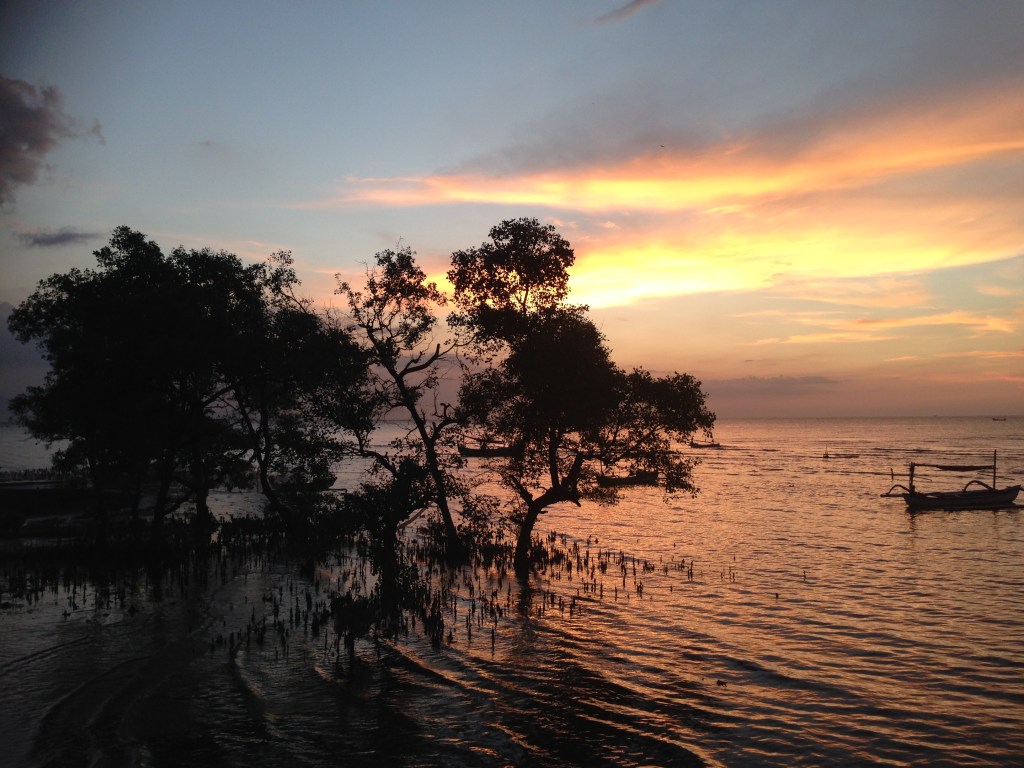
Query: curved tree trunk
{"x": 389, "y": 563}
{"x": 429, "y": 442}
{"x": 451, "y": 532}
{"x": 201, "y": 490}
{"x": 521, "y": 562}
{"x": 263, "y": 447}
{"x": 99, "y": 503}
{"x": 204, "y": 517}
{"x": 268, "y": 490}
{"x": 562, "y": 489}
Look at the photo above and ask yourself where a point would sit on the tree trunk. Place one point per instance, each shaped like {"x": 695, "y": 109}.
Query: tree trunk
{"x": 429, "y": 442}
{"x": 262, "y": 450}
{"x": 100, "y": 507}
{"x": 160, "y": 507}
{"x": 204, "y": 518}
{"x": 560, "y": 490}
{"x": 201, "y": 489}
{"x": 165, "y": 473}
{"x": 451, "y": 533}
{"x": 267, "y": 488}
{"x": 263, "y": 461}
{"x": 389, "y": 566}
{"x": 521, "y": 561}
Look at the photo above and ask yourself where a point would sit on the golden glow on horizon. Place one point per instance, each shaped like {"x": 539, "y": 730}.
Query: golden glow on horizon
{"x": 796, "y": 254}
{"x": 622, "y": 273}
{"x": 619, "y": 277}
{"x": 998, "y": 354}
{"x": 769, "y": 211}
{"x": 858, "y": 150}
{"x": 864, "y": 329}
{"x": 652, "y": 183}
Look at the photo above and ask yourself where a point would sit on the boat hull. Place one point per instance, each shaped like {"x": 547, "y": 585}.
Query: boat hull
{"x": 640, "y": 478}
{"x": 989, "y": 498}
{"x": 496, "y": 452}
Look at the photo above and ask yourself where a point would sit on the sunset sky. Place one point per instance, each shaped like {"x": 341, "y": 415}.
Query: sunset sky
{"x": 817, "y": 208}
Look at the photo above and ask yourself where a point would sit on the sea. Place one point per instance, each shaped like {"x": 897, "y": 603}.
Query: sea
{"x": 787, "y": 615}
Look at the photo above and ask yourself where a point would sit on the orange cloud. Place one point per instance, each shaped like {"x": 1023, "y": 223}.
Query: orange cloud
{"x": 770, "y": 210}
{"x": 884, "y": 292}
{"x": 979, "y": 323}
{"x": 996, "y": 290}
{"x": 757, "y": 255}
{"x": 989, "y": 354}
{"x": 847, "y": 209}
{"x": 847, "y": 152}
{"x": 839, "y": 329}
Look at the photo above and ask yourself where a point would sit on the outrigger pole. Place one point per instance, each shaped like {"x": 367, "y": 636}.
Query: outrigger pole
{"x": 955, "y": 468}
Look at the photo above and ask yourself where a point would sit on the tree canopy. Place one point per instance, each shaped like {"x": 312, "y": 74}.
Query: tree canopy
{"x": 394, "y": 317}
{"x": 182, "y": 371}
{"x": 520, "y": 272}
{"x": 547, "y": 383}
{"x": 174, "y": 374}
{"x": 177, "y": 370}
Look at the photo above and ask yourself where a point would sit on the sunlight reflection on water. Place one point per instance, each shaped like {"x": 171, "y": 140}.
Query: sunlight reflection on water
{"x": 821, "y": 625}
{"x": 833, "y": 616}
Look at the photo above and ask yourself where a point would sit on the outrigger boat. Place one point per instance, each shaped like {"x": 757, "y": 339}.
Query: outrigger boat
{"x": 642, "y": 477}
{"x": 975, "y": 495}
{"x": 487, "y": 451}
{"x": 712, "y": 444}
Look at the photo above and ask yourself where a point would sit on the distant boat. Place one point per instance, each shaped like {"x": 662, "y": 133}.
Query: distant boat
{"x": 695, "y": 444}
{"x": 974, "y": 495}
{"x": 491, "y": 451}
{"x": 985, "y": 497}
{"x": 639, "y": 478}
{"x": 998, "y": 418}
{"x": 828, "y": 455}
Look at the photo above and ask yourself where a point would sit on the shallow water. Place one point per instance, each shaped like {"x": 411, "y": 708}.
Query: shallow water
{"x": 788, "y": 616}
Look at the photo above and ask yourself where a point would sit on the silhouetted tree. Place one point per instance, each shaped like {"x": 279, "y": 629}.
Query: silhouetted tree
{"x": 158, "y": 364}
{"x": 295, "y": 380}
{"x": 521, "y": 271}
{"x": 394, "y": 316}
{"x": 547, "y": 383}
{"x": 109, "y": 392}
{"x": 382, "y": 508}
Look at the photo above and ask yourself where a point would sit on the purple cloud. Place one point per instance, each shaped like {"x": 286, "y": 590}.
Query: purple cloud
{"x": 625, "y": 11}
{"x": 32, "y": 123}
{"x": 57, "y": 238}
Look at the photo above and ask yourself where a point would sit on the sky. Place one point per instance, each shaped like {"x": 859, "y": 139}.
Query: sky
{"x": 814, "y": 207}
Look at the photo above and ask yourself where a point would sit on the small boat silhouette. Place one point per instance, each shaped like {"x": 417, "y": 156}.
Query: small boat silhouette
{"x": 974, "y": 495}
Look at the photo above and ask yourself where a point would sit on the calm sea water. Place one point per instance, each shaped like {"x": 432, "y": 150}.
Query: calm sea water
{"x": 788, "y": 616}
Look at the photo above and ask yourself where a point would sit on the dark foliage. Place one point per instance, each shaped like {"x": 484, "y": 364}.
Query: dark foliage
{"x": 395, "y": 319}
{"x": 545, "y": 380}
{"x": 170, "y": 373}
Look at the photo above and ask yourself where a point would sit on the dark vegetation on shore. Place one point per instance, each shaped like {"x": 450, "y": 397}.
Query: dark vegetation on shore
{"x": 176, "y": 375}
